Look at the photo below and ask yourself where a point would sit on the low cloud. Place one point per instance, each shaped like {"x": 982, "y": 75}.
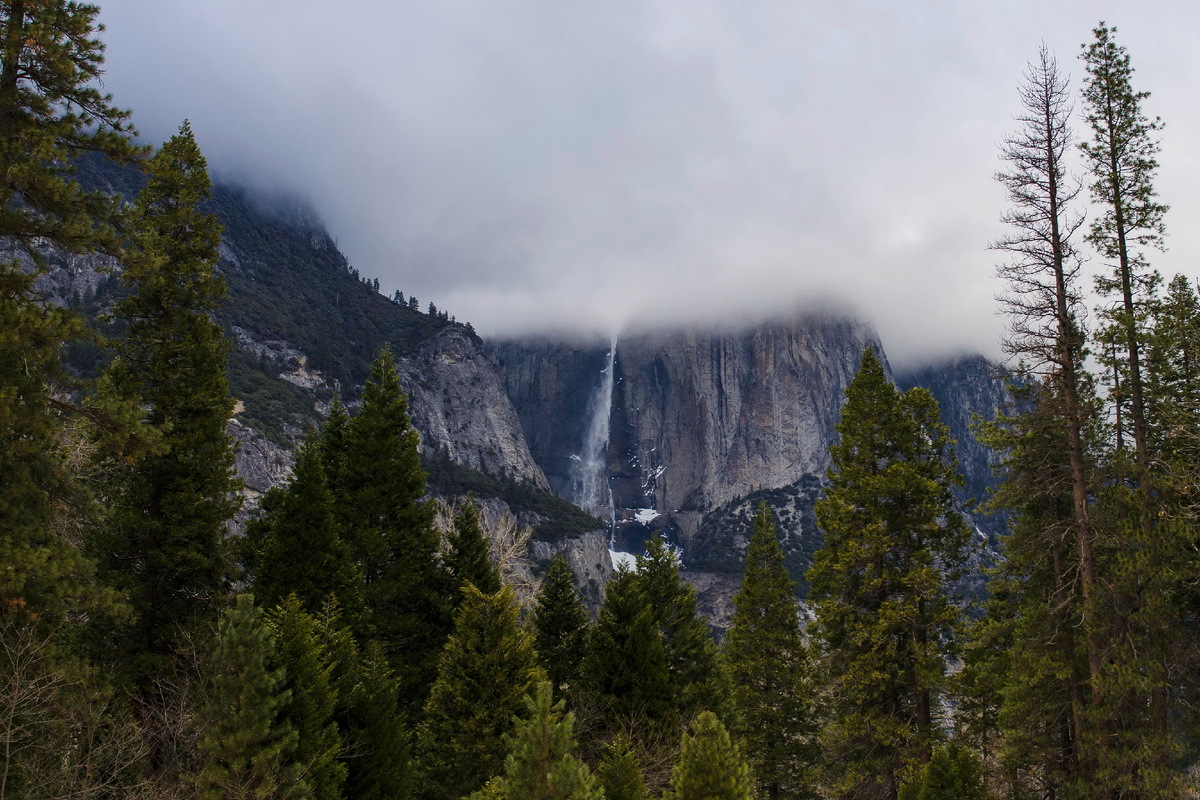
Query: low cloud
{"x": 535, "y": 166}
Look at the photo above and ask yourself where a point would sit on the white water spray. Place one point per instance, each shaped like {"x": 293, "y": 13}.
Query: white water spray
{"x": 589, "y": 477}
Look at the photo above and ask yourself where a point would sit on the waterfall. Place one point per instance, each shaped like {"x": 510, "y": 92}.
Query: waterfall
{"x": 589, "y": 470}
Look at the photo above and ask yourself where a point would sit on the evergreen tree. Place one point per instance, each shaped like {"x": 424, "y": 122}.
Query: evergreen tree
{"x": 694, "y": 680}
{"x": 164, "y": 545}
{"x": 624, "y": 672}
{"x": 51, "y": 112}
{"x": 312, "y": 698}
{"x": 951, "y": 774}
{"x": 1173, "y": 381}
{"x": 248, "y": 744}
{"x": 619, "y": 773}
{"x": 560, "y": 625}
{"x": 1122, "y": 163}
{"x": 885, "y": 618}
{"x": 378, "y": 745}
{"x": 711, "y": 766}
{"x": 768, "y": 667}
{"x": 390, "y": 530}
{"x": 468, "y": 559}
{"x": 333, "y": 450}
{"x": 540, "y": 764}
{"x": 487, "y": 668}
{"x": 300, "y": 520}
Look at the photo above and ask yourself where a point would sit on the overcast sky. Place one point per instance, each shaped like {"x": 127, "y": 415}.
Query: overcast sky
{"x": 554, "y": 164}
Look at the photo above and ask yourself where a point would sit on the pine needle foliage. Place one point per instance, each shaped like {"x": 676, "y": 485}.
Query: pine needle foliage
{"x": 468, "y": 559}
{"x": 619, "y": 772}
{"x": 711, "y": 765}
{"x": 886, "y": 620}
{"x": 560, "y": 625}
{"x": 165, "y": 541}
{"x": 541, "y": 764}
{"x": 249, "y": 744}
{"x": 769, "y": 669}
{"x": 487, "y": 668}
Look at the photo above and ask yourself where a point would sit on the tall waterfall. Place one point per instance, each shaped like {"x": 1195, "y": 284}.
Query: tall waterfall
{"x": 589, "y": 470}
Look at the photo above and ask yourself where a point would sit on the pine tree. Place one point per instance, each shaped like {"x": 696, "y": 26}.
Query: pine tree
{"x": 1122, "y": 163}
{"x": 164, "y": 544}
{"x": 248, "y": 744}
{"x": 768, "y": 667}
{"x": 885, "y": 618}
{"x": 468, "y": 560}
{"x": 540, "y": 764}
{"x": 51, "y": 112}
{"x": 711, "y": 766}
{"x": 378, "y": 744}
{"x": 694, "y": 681}
{"x": 487, "y": 668}
{"x": 619, "y": 773}
{"x": 390, "y": 531}
{"x": 312, "y": 698}
{"x": 951, "y": 774}
{"x": 299, "y": 520}
{"x": 625, "y": 673}
{"x": 560, "y": 625}
{"x": 1173, "y": 377}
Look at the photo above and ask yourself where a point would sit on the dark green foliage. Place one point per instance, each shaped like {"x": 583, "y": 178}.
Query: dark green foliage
{"x": 468, "y": 559}
{"x": 711, "y": 766}
{"x": 390, "y": 531}
{"x": 270, "y": 403}
{"x": 164, "y": 544}
{"x": 248, "y": 744}
{"x": 486, "y": 669}
{"x": 769, "y": 670}
{"x": 50, "y": 111}
{"x": 300, "y": 551}
{"x": 561, "y": 519}
{"x": 694, "y": 680}
{"x": 885, "y": 619}
{"x": 952, "y": 773}
{"x": 625, "y": 671}
{"x": 541, "y": 764}
{"x": 560, "y": 625}
{"x": 619, "y": 773}
{"x": 312, "y": 698}
{"x": 378, "y": 745}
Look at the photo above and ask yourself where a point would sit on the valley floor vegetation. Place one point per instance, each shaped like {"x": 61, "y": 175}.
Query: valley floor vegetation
{"x": 345, "y": 648}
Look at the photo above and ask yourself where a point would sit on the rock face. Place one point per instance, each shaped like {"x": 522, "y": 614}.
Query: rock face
{"x": 589, "y": 559}
{"x": 458, "y": 402}
{"x": 967, "y": 387}
{"x": 697, "y": 419}
{"x": 703, "y": 418}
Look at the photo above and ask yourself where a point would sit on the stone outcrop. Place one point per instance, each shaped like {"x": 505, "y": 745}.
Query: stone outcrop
{"x": 458, "y": 402}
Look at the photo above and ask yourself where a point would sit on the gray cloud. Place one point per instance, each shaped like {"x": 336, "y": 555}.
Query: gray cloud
{"x": 535, "y": 165}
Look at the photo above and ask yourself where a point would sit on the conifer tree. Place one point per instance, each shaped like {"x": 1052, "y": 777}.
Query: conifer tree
{"x": 51, "y": 112}
{"x": 333, "y": 449}
{"x": 560, "y": 625}
{"x": 695, "y": 682}
{"x": 768, "y": 667}
{"x": 540, "y": 764}
{"x": 625, "y": 672}
{"x": 487, "y": 668}
{"x": 390, "y": 531}
{"x": 300, "y": 520}
{"x": 619, "y": 773}
{"x": 308, "y": 680}
{"x": 468, "y": 559}
{"x": 952, "y": 773}
{"x": 248, "y": 744}
{"x": 711, "y": 766}
{"x": 885, "y": 618}
{"x": 164, "y": 544}
{"x": 378, "y": 750}
{"x": 1121, "y": 158}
